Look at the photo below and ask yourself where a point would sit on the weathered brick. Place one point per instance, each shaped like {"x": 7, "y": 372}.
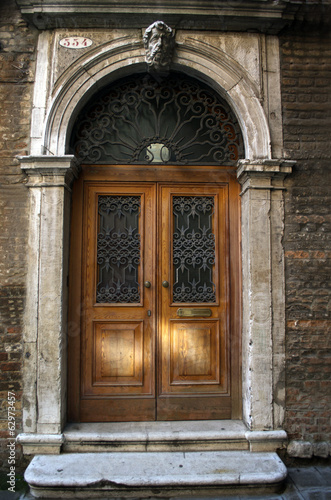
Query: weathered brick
{"x": 308, "y": 263}
{"x": 17, "y": 60}
{"x": 11, "y": 367}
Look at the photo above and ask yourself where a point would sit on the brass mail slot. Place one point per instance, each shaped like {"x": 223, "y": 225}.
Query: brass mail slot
{"x": 186, "y": 312}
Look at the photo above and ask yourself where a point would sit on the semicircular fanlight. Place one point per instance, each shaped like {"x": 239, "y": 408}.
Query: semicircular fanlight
{"x": 140, "y": 120}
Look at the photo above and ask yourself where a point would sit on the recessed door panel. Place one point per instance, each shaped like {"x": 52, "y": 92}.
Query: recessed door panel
{"x": 118, "y": 354}
{"x": 194, "y": 353}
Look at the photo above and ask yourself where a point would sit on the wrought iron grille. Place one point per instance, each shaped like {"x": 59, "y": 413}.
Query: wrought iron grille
{"x": 118, "y": 249}
{"x": 141, "y": 120}
{"x": 193, "y": 249}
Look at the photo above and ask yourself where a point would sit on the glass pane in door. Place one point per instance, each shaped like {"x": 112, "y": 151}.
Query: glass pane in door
{"x": 118, "y": 249}
{"x": 193, "y": 249}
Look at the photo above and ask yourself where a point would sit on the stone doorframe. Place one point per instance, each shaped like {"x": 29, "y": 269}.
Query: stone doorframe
{"x": 50, "y": 173}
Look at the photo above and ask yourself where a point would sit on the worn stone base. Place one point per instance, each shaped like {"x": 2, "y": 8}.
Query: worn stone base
{"x": 156, "y": 436}
{"x": 306, "y": 449}
{"x": 158, "y": 474}
{"x": 207, "y": 435}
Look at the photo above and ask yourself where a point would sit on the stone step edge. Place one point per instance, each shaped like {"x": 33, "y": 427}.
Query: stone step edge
{"x": 153, "y": 473}
{"x": 193, "y": 445}
{"x": 84, "y": 442}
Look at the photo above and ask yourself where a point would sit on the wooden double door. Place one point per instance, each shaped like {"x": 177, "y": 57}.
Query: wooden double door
{"x": 154, "y": 285}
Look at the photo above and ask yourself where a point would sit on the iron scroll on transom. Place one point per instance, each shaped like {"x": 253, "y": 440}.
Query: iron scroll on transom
{"x": 139, "y": 120}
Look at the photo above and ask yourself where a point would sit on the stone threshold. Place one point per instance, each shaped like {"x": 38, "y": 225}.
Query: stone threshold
{"x": 156, "y": 436}
{"x": 199, "y": 435}
{"x": 156, "y": 474}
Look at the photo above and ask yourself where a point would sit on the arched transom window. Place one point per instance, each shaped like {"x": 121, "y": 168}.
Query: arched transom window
{"x": 140, "y": 120}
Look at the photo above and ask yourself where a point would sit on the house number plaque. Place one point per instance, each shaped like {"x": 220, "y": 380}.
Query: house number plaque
{"x": 75, "y": 42}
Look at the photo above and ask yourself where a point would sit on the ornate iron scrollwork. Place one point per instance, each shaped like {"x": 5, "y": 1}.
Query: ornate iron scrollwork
{"x": 118, "y": 249}
{"x": 140, "y": 120}
{"x": 193, "y": 249}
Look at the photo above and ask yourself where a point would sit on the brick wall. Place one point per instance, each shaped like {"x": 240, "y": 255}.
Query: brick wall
{"x": 306, "y": 97}
{"x": 17, "y": 56}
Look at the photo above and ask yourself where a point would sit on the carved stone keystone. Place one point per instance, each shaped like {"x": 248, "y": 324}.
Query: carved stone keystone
{"x": 159, "y": 41}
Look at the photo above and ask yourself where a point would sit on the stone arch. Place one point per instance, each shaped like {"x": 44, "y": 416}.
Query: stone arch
{"x": 119, "y": 58}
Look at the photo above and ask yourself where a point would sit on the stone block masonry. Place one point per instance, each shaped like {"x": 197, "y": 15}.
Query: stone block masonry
{"x": 306, "y": 98}
{"x": 17, "y": 56}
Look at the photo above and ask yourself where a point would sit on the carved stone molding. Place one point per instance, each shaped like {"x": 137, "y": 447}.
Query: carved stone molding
{"x": 124, "y": 55}
{"x": 263, "y": 174}
{"x": 49, "y": 171}
{"x": 268, "y": 16}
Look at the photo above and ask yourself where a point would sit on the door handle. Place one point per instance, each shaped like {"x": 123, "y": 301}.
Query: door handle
{"x": 165, "y": 284}
{"x": 147, "y": 284}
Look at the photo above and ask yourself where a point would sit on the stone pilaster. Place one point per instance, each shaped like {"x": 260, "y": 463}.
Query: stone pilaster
{"x": 49, "y": 179}
{"x": 263, "y": 292}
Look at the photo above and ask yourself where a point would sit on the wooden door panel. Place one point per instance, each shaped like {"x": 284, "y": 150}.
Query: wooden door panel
{"x": 118, "y": 354}
{"x": 193, "y": 408}
{"x": 118, "y": 344}
{"x": 117, "y": 410}
{"x": 194, "y": 361}
{"x": 194, "y": 353}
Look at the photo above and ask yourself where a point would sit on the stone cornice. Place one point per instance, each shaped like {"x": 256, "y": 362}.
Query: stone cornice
{"x": 266, "y": 166}
{"x": 266, "y": 16}
{"x": 49, "y": 171}
{"x": 263, "y": 174}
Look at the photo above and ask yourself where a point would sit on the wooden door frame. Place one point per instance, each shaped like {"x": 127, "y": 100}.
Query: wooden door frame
{"x": 152, "y": 173}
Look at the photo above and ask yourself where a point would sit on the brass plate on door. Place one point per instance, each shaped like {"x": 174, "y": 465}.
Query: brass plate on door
{"x": 187, "y": 312}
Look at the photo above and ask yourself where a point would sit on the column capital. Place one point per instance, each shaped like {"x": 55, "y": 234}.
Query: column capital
{"x": 265, "y": 166}
{"x": 49, "y": 170}
{"x": 263, "y": 174}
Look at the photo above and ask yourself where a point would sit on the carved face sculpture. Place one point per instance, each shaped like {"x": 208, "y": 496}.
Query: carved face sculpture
{"x": 159, "y": 44}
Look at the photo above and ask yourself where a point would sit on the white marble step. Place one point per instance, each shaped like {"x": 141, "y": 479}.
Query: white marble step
{"x": 156, "y": 436}
{"x": 158, "y": 474}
